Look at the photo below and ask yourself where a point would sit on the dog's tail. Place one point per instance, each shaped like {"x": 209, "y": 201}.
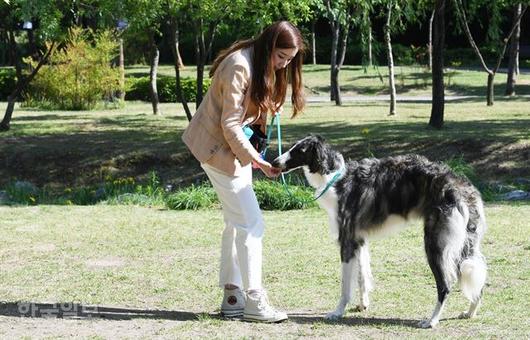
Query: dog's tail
{"x": 473, "y": 277}
{"x": 473, "y": 269}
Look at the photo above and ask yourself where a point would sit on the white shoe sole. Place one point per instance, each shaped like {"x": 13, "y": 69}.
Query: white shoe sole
{"x": 260, "y": 318}
{"x": 232, "y": 313}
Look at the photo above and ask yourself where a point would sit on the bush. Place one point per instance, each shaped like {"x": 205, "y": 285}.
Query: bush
{"x": 79, "y": 75}
{"x": 194, "y": 197}
{"x": 7, "y": 82}
{"x": 138, "y": 89}
{"x": 274, "y": 196}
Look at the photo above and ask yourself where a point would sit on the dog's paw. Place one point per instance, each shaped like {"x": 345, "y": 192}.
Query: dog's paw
{"x": 465, "y": 315}
{"x": 427, "y": 323}
{"x": 360, "y": 308}
{"x": 335, "y": 315}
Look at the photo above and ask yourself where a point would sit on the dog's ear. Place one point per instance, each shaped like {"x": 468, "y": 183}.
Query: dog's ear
{"x": 320, "y": 138}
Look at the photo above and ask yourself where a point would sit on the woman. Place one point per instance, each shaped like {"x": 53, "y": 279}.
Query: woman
{"x": 249, "y": 80}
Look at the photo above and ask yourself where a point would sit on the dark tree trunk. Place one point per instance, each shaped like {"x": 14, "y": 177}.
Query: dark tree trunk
{"x": 174, "y": 42}
{"x": 153, "y": 90}
{"x": 22, "y": 83}
{"x": 13, "y": 49}
{"x": 490, "y": 96}
{"x": 203, "y": 48}
{"x": 438, "y": 95}
{"x": 513, "y": 55}
{"x": 334, "y": 74}
{"x": 391, "y": 80}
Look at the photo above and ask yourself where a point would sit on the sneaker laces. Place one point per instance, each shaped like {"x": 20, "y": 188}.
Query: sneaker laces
{"x": 263, "y": 302}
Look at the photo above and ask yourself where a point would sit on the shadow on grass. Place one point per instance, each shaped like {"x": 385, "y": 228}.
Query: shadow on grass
{"x": 80, "y": 311}
{"x": 308, "y": 318}
{"x": 136, "y": 146}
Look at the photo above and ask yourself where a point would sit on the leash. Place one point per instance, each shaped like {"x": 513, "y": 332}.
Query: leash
{"x": 338, "y": 173}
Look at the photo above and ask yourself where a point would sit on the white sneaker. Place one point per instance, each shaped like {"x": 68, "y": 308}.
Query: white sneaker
{"x": 258, "y": 309}
{"x": 233, "y": 303}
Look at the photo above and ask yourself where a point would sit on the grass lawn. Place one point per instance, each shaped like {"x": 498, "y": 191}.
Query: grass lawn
{"x": 146, "y": 272}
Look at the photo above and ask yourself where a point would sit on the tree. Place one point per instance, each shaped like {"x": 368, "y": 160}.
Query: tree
{"x": 174, "y": 10}
{"x": 461, "y": 14}
{"x": 16, "y": 11}
{"x": 388, "y": 41}
{"x": 513, "y": 55}
{"x": 339, "y": 16}
{"x": 144, "y": 19}
{"x": 438, "y": 96}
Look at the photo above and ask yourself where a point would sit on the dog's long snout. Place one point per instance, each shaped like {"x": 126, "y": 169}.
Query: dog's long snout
{"x": 276, "y": 163}
{"x": 279, "y": 162}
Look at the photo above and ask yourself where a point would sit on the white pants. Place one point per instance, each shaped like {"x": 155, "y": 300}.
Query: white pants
{"x": 241, "y": 246}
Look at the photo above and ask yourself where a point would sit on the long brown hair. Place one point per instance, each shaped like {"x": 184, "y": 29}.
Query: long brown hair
{"x": 269, "y": 87}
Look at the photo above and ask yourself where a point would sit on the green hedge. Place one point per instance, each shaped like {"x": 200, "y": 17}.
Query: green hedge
{"x": 138, "y": 89}
{"x": 7, "y": 82}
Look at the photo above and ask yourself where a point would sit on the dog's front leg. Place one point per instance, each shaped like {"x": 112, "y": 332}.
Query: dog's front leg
{"x": 348, "y": 271}
{"x": 364, "y": 277}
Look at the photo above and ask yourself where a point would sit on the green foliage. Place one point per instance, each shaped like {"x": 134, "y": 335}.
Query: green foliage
{"x": 194, "y": 197}
{"x": 7, "y": 82}
{"x": 459, "y": 166}
{"x": 273, "y": 196}
{"x": 138, "y": 89}
{"x": 23, "y": 192}
{"x": 79, "y": 75}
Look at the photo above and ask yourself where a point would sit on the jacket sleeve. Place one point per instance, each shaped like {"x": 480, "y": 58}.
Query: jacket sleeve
{"x": 236, "y": 80}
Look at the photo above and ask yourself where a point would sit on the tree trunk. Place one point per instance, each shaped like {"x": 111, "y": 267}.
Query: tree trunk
{"x": 513, "y": 55}
{"x": 334, "y": 74}
{"x": 179, "y": 62}
{"x": 490, "y": 95}
{"x": 121, "y": 92}
{"x": 343, "y": 45}
{"x": 22, "y": 83}
{"x": 174, "y": 42}
{"x": 313, "y": 43}
{"x": 370, "y": 58}
{"x": 203, "y": 48}
{"x": 438, "y": 95}
{"x": 391, "y": 81}
{"x": 430, "y": 40}
{"x": 153, "y": 90}
{"x": 13, "y": 48}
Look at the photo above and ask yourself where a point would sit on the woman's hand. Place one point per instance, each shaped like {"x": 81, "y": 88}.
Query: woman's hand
{"x": 267, "y": 168}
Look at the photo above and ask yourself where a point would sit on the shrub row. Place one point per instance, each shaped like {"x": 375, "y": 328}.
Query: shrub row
{"x": 138, "y": 89}
{"x": 271, "y": 195}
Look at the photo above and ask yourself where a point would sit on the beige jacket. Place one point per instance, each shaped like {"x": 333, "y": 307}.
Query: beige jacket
{"x": 214, "y": 135}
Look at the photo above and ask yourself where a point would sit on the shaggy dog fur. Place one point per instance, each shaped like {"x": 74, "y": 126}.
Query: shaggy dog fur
{"x": 374, "y": 196}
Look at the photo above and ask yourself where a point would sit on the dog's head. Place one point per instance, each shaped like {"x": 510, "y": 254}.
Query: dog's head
{"x": 311, "y": 152}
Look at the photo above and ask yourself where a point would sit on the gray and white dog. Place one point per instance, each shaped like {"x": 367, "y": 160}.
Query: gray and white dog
{"x": 373, "y": 196}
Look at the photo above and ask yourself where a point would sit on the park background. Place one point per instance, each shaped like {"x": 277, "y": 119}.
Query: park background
{"x": 109, "y": 228}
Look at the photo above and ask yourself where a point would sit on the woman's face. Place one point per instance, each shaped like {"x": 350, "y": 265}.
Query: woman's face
{"x": 281, "y": 57}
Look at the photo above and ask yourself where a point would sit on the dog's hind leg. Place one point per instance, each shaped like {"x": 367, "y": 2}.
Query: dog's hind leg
{"x": 348, "y": 272}
{"x": 472, "y": 281}
{"x": 473, "y": 269}
{"x": 444, "y": 240}
{"x": 365, "y": 278}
